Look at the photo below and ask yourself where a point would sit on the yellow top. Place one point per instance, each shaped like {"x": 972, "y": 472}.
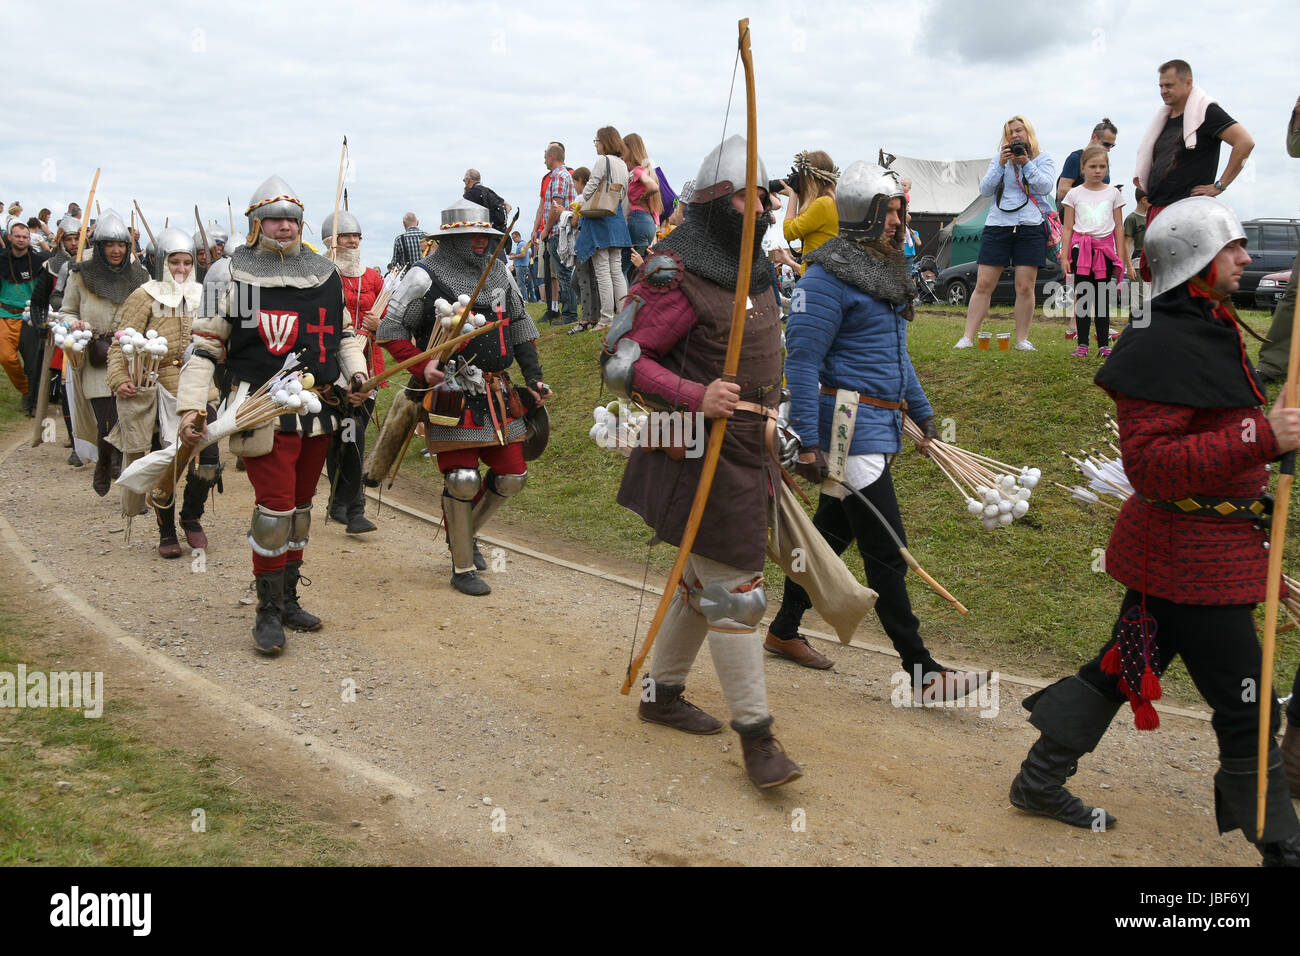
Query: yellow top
{"x": 814, "y": 225}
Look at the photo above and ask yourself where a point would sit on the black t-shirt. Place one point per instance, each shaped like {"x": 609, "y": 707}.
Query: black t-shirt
{"x": 1175, "y": 169}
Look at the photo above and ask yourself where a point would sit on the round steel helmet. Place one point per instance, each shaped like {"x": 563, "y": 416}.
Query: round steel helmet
{"x": 70, "y": 224}
{"x": 723, "y": 171}
{"x": 217, "y": 235}
{"x": 862, "y": 199}
{"x": 274, "y": 199}
{"x": 111, "y": 228}
{"x": 348, "y": 224}
{"x": 172, "y": 240}
{"x": 464, "y": 218}
{"x": 1185, "y": 238}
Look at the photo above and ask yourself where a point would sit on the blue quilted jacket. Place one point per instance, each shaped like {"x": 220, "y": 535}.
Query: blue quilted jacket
{"x": 843, "y": 338}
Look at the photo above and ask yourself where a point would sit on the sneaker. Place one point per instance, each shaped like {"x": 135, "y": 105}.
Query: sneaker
{"x": 1104, "y": 351}
{"x": 1071, "y": 333}
{"x": 1080, "y": 352}
{"x": 1114, "y": 334}
{"x": 1026, "y": 346}
{"x": 964, "y": 343}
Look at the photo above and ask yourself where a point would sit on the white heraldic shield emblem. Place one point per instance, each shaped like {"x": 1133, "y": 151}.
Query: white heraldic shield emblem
{"x": 279, "y": 330}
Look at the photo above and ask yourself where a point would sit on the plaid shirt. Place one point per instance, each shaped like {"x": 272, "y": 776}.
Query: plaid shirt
{"x": 558, "y": 186}
{"x": 406, "y": 247}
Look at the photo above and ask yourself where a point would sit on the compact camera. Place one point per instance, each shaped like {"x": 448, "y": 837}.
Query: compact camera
{"x": 1019, "y": 148}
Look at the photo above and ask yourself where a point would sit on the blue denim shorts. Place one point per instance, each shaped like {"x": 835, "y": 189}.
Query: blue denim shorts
{"x": 1013, "y": 246}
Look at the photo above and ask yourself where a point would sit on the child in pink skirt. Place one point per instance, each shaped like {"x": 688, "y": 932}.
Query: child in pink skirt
{"x": 1093, "y": 248}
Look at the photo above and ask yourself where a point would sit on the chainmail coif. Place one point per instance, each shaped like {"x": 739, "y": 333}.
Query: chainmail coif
{"x": 255, "y": 262}
{"x": 709, "y": 245}
{"x": 868, "y": 268}
{"x": 107, "y": 282}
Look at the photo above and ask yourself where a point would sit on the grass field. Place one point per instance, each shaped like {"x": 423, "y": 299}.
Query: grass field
{"x": 1037, "y": 604}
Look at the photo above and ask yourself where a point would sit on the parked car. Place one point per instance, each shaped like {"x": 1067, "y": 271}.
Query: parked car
{"x": 1272, "y": 245}
{"x": 956, "y": 283}
{"x": 1270, "y": 290}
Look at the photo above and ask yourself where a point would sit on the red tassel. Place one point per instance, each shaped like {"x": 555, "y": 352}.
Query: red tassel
{"x": 1151, "y": 689}
{"x": 1124, "y": 688}
{"x": 1145, "y": 716}
{"x": 1110, "y": 664}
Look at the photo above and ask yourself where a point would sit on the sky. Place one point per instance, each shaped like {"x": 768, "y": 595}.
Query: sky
{"x": 185, "y": 104}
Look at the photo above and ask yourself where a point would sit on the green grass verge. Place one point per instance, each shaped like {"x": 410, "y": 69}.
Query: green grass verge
{"x": 1036, "y": 602}
{"x": 129, "y": 802}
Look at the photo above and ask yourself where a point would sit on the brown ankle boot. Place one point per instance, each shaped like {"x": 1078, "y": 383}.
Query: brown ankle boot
{"x": 1291, "y": 758}
{"x": 765, "y": 758}
{"x": 671, "y": 709}
{"x": 797, "y": 649}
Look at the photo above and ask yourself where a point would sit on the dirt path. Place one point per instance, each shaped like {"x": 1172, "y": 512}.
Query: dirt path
{"x": 491, "y": 730}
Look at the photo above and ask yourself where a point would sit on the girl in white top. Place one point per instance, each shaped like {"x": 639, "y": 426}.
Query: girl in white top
{"x": 1093, "y": 248}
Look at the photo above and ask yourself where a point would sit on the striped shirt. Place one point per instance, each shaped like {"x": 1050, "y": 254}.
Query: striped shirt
{"x": 406, "y": 247}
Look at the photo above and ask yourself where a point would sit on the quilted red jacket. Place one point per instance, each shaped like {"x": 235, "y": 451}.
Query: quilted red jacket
{"x": 1171, "y": 451}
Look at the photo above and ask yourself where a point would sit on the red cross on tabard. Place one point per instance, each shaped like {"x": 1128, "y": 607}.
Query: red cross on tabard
{"x": 320, "y": 331}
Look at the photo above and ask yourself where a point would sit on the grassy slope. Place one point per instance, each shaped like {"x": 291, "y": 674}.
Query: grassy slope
{"x": 1036, "y": 604}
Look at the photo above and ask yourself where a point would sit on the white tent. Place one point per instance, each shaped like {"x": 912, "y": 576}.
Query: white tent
{"x": 941, "y": 187}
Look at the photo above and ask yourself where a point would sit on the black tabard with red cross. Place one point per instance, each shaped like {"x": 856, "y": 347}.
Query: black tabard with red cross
{"x": 268, "y": 324}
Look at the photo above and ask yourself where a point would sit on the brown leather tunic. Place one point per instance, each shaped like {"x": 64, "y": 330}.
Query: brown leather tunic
{"x": 734, "y": 528}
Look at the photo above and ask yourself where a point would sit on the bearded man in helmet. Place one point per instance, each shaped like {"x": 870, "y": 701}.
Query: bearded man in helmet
{"x": 361, "y": 287}
{"x": 666, "y": 349}
{"x": 478, "y": 414}
{"x": 1191, "y": 544}
{"x": 847, "y": 362}
{"x": 269, "y": 299}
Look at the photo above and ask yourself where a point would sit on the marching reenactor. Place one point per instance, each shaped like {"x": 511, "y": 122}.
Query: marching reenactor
{"x": 667, "y": 348}
{"x": 162, "y": 308}
{"x": 1189, "y": 544}
{"x": 847, "y": 352}
{"x": 96, "y": 288}
{"x": 471, "y": 409}
{"x": 270, "y": 298}
{"x": 361, "y": 287}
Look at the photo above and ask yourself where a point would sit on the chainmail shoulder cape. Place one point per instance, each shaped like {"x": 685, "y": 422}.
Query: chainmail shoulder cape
{"x": 263, "y": 267}
{"x": 866, "y": 269}
{"x": 103, "y": 280}
{"x": 709, "y": 245}
{"x": 55, "y": 262}
{"x": 455, "y": 271}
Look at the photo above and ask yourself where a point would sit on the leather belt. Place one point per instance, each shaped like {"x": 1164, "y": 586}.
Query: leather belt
{"x": 868, "y": 400}
{"x": 757, "y": 409}
{"x": 1204, "y": 507}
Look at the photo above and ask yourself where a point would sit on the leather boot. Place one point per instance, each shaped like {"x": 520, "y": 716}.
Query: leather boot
{"x": 268, "y": 630}
{"x": 673, "y": 710}
{"x": 1072, "y": 717}
{"x": 115, "y": 461}
{"x": 1282, "y": 853}
{"x": 295, "y": 618}
{"x": 357, "y": 522}
{"x": 796, "y": 649}
{"x": 196, "y": 496}
{"x": 1291, "y": 758}
{"x": 765, "y": 759}
{"x": 168, "y": 546}
{"x": 480, "y": 562}
{"x": 102, "y": 479}
{"x": 1039, "y": 787}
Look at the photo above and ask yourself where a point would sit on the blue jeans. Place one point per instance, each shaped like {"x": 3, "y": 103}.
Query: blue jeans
{"x": 642, "y": 227}
{"x": 521, "y": 276}
{"x": 564, "y": 276}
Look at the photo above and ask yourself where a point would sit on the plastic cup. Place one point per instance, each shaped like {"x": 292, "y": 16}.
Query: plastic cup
{"x": 1004, "y": 341}
{"x": 985, "y": 337}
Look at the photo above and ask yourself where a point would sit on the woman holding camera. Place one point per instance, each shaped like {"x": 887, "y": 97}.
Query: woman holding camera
{"x": 1020, "y": 179}
{"x": 810, "y": 187}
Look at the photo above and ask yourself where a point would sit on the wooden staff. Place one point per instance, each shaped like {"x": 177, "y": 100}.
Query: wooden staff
{"x": 338, "y": 196}
{"x": 145, "y": 222}
{"x": 230, "y": 211}
{"x": 1273, "y": 590}
{"x": 43, "y": 388}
